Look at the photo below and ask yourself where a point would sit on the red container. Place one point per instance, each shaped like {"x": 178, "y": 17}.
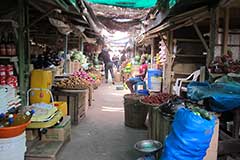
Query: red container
{"x": 2, "y": 70}
{"x": 2, "y": 80}
{"x": 8, "y": 132}
{"x": 9, "y": 70}
{"x": 12, "y": 81}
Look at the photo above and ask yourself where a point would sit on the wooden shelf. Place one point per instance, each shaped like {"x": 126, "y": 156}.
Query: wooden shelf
{"x": 181, "y": 73}
{"x": 190, "y": 56}
{"x": 189, "y": 40}
{"x": 13, "y": 59}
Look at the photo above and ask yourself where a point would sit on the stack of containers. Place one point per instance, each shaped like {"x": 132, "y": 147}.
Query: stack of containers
{"x": 9, "y": 99}
{"x": 7, "y": 76}
{"x": 13, "y": 148}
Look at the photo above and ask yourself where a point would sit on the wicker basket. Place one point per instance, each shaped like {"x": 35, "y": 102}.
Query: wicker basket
{"x": 134, "y": 111}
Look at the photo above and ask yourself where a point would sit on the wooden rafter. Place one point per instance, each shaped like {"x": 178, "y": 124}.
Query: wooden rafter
{"x": 200, "y": 35}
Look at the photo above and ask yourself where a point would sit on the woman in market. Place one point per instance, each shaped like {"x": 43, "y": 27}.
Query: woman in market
{"x": 140, "y": 77}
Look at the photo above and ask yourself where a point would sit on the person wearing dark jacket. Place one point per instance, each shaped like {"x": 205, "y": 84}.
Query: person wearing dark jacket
{"x": 108, "y": 65}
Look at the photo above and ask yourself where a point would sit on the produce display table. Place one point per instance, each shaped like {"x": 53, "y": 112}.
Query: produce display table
{"x": 77, "y": 102}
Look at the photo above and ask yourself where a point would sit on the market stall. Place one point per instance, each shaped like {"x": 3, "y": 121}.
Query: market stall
{"x": 185, "y": 57}
{"x": 33, "y": 36}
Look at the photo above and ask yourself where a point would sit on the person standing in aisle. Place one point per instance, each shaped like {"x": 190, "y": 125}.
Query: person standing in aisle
{"x": 108, "y": 64}
{"x": 115, "y": 60}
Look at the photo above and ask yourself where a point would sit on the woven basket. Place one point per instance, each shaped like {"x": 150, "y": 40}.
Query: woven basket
{"x": 134, "y": 111}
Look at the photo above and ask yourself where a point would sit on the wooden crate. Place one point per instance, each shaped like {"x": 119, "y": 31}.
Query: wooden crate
{"x": 74, "y": 66}
{"x": 77, "y": 103}
{"x": 159, "y": 125}
{"x": 44, "y": 150}
{"x": 61, "y": 132}
{"x": 32, "y": 134}
{"x": 212, "y": 151}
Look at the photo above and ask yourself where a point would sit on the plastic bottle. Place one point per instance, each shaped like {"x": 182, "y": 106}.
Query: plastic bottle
{"x": 23, "y": 118}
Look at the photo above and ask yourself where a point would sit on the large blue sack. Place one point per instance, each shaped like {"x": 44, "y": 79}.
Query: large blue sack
{"x": 190, "y": 137}
{"x": 223, "y": 96}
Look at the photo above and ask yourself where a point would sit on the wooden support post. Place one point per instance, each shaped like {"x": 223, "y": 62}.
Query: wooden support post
{"x": 200, "y": 35}
{"x": 21, "y": 50}
{"x": 79, "y": 43}
{"x": 213, "y": 35}
{"x": 226, "y": 30}
{"x": 65, "y": 52}
{"x": 167, "y": 77}
{"x": 27, "y": 48}
{"x": 152, "y": 52}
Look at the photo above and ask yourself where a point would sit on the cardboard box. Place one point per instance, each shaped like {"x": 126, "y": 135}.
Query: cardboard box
{"x": 213, "y": 148}
{"x": 61, "y": 132}
{"x": 32, "y": 134}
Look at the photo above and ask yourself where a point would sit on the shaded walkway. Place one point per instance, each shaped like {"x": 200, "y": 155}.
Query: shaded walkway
{"x": 102, "y": 134}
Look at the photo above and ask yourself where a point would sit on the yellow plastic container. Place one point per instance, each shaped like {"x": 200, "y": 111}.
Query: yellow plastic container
{"x": 62, "y": 106}
{"x": 40, "y": 79}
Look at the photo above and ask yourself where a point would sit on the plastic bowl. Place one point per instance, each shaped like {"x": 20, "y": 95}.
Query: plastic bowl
{"x": 148, "y": 146}
{"x": 8, "y": 132}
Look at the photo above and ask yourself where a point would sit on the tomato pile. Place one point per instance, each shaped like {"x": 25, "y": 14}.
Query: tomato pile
{"x": 157, "y": 99}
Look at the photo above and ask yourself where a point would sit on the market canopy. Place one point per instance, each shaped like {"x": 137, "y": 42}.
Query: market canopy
{"x": 127, "y": 3}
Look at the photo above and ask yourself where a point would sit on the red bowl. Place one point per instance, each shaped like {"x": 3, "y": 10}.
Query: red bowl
{"x": 8, "y": 132}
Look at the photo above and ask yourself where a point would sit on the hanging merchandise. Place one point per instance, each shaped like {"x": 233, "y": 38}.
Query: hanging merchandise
{"x": 190, "y": 136}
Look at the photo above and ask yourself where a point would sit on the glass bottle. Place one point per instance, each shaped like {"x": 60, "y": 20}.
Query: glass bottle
{"x": 8, "y": 45}
{"x": 3, "y": 45}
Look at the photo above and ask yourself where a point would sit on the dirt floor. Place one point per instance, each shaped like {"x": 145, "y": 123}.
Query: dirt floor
{"x": 102, "y": 135}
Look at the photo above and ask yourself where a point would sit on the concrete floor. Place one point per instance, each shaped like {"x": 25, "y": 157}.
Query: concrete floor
{"x": 102, "y": 135}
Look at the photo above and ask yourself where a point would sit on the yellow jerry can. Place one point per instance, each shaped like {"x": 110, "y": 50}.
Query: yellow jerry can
{"x": 40, "y": 79}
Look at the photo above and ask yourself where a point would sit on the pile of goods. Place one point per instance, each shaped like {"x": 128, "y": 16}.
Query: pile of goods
{"x": 157, "y": 99}
{"x": 96, "y": 75}
{"x": 197, "y": 110}
{"x": 73, "y": 83}
{"x": 84, "y": 75}
{"x": 78, "y": 56}
{"x": 225, "y": 64}
{"x": 47, "y": 61}
{"x": 7, "y": 76}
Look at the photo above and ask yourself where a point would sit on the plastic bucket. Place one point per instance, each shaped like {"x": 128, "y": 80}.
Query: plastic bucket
{"x": 154, "y": 79}
{"x": 13, "y": 148}
{"x": 143, "y": 92}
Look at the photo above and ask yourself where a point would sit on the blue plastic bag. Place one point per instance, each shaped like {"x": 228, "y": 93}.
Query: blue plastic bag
{"x": 190, "y": 137}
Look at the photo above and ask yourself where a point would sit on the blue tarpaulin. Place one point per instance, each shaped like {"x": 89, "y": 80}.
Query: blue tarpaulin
{"x": 223, "y": 96}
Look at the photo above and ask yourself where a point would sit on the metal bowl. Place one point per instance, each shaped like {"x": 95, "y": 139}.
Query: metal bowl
{"x": 148, "y": 146}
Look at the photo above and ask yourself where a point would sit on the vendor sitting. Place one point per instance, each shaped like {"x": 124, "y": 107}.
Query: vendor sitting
{"x": 140, "y": 77}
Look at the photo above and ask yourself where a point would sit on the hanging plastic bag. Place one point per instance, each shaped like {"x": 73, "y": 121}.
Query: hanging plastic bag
{"x": 190, "y": 137}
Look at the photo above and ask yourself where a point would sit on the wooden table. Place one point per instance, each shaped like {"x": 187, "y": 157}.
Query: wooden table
{"x": 77, "y": 106}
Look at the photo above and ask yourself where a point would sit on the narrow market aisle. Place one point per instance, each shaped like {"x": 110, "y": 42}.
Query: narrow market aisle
{"x": 102, "y": 135}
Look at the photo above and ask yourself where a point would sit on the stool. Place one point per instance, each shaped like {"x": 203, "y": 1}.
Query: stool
{"x": 140, "y": 86}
